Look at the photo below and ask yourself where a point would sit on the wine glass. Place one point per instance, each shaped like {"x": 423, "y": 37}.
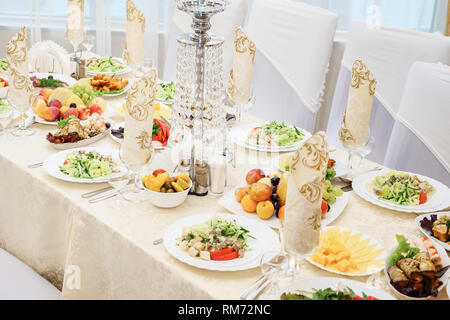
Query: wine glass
{"x": 240, "y": 106}
{"x": 119, "y": 183}
{"x": 146, "y": 66}
{"x": 89, "y": 41}
{"x": 22, "y": 129}
{"x": 136, "y": 194}
{"x": 357, "y": 153}
{"x": 6, "y": 113}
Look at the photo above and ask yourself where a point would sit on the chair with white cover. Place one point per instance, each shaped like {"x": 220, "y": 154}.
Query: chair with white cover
{"x": 388, "y": 53}
{"x": 20, "y": 282}
{"x": 293, "y": 47}
{"x": 223, "y": 24}
{"x": 49, "y": 57}
{"x": 420, "y": 141}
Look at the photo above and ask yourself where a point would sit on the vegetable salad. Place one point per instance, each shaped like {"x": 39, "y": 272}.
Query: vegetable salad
{"x": 275, "y": 134}
{"x": 107, "y": 64}
{"x": 88, "y": 165}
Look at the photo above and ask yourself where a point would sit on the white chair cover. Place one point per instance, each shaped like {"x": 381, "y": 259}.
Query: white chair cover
{"x": 388, "y": 53}
{"x": 420, "y": 139}
{"x": 20, "y": 282}
{"x": 49, "y": 57}
{"x": 223, "y": 24}
{"x": 293, "y": 47}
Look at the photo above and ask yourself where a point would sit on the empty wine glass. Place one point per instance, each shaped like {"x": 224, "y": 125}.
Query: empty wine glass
{"x": 119, "y": 183}
{"x": 357, "y": 153}
{"x": 136, "y": 194}
{"x": 146, "y": 66}
{"x": 22, "y": 130}
{"x": 6, "y": 113}
{"x": 89, "y": 41}
{"x": 240, "y": 106}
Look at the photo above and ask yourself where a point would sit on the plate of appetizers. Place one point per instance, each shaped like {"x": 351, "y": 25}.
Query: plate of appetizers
{"x": 417, "y": 268}
{"x": 348, "y": 252}
{"x": 264, "y": 198}
{"x": 109, "y": 85}
{"x": 402, "y": 191}
{"x": 269, "y": 137}
{"x": 437, "y": 226}
{"x": 51, "y": 80}
{"x": 74, "y": 133}
{"x": 335, "y": 168}
{"x": 220, "y": 241}
{"x": 106, "y": 65}
{"x": 331, "y": 289}
{"x": 85, "y": 165}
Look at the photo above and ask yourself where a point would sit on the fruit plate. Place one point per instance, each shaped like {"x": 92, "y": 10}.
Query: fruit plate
{"x": 228, "y": 201}
{"x": 239, "y": 134}
{"x": 52, "y": 164}
{"x": 266, "y": 241}
{"x": 446, "y": 246}
{"x": 445, "y": 262}
{"x": 439, "y": 200}
{"x": 123, "y": 71}
{"x": 340, "y": 168}
{"x": 81, "y": 143}
{"x": 335, "y": 283}
{"x": 371, "y": 244}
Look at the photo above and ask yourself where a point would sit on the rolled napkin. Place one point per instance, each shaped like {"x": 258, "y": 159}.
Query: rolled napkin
{"x": 240, "y": 84}
{"x": 137, "y": 140}
{"x": 134, "y": 45}
{"x": 21, "y": 91}
{"x": 304, "y": 196}
{"x": 356, "y": 120}
{"x": 75, "y": 21}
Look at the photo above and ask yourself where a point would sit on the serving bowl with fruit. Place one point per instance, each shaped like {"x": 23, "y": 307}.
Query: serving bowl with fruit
{"x": 165, "y": 191}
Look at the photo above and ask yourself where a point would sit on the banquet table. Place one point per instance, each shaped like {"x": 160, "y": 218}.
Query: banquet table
{"x": 48, "y": 225}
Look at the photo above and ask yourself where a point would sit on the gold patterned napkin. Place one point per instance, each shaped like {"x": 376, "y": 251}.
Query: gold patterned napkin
{"x": 75, "y": 21}
{"x": 304, "y": 196}
{"x": 356, "y": 121}
{"x": 134, "y": 45}
{"x": 139, "y": 120}
{"x": 240, "y": 85}
{"x": 21, "y": 91}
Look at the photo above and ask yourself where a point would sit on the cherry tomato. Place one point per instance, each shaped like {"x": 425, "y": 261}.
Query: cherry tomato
{"x": 324, "y": 208}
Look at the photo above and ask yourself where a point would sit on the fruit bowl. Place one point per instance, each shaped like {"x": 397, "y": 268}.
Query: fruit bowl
{"x": 166, "y": 200}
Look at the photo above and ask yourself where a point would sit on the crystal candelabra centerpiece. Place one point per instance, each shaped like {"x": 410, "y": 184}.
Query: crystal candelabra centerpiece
{"x": 199, "y": 95}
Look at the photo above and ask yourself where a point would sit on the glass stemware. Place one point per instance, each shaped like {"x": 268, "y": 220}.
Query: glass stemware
{"x": 6, "y": 113}
{"x": 134, "y": 195}
{"x": 146, "y": 66}
{"x": 119, "y": 183}
{"x": 240, "y": 107}
{"x": 89, "y": 41}
{"x": 22, "y": 130}
{"x": 357, "y": 153}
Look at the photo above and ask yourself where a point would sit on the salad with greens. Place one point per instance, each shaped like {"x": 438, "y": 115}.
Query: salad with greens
{"x": 166, "y": 91}
{"x": 401, "y": 188}
{"x": 107, "y": 64}
{"x": 275, "y": 134}
{"x": 88, "y": 165}
{"x": 325, "y": 294}
{"x": 3, "y": 65}
{"x": 215, "y": 239}
{"x": 404, "y": 250}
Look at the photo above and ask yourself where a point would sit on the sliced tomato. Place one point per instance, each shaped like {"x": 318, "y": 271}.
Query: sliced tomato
{"x": 371, "y": 298}
{"x": 218, "y": 253}
{"x": 228, "y": 256}
{"x": 422, "y": 197}
{"x": 65, "y": 162}
{"x": 356, "y": 297}
{"x": 324, "y": 208}
{"x": 158, "y": 171}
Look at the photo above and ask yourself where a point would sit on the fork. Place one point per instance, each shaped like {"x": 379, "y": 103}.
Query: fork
{"x": 35, "y": 165}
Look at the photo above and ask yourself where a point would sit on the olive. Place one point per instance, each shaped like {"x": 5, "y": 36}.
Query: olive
{"x": 73, "y": 105}
{"x": 108, "y": 125}
{"x": 274, "y": 197}
{"x": 328, "y": 207}
{"x": 275, "y": 181}
{"x": 163, "y": 190}
{"x": 170, "y": 191}
{"x": 50, "y": 77}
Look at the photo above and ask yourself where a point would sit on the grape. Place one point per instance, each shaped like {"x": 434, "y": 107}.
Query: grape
{"x": 331, "y": 198}
{"x": 85, "y": 93}
{"x": 337, "y": 192}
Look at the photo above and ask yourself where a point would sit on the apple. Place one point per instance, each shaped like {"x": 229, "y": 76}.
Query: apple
{"x": 95, "y": 108}
{"x": 71, "y": 112}
{"x": 46, "y": 92}
{"x": 83, "y": 112}
{"x": 260, "y": 192}
{"x": 39, "y": 104}
{"x": 55, "y": 103}
{"x": 51, "y": 114}
{"x": 254, "y": 176}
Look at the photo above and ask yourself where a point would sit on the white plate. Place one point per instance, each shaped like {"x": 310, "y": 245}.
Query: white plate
{"x": 382, "y": 255}
{"x": 266, "y": 241}
{"x": 228, "y": 201}
{"x": 445, "y": 262}
{"x": 81, "y": 143}
{"x": 52, "y": 164}
{"x": 123, "y": 71}
{"x": 340, "y": 168}
{"x": 239, "y": 134}
{"x": 336, "y": 283}
{"x": 439, "y": 200}
{"x": 446, "y": 246}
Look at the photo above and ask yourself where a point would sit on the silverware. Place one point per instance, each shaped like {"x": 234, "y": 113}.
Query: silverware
{"x": 105, "y": 197}
{"x": 347, "y": 188}
{"x": 96, "y": 192}
{"x": 442, "y": 271}
{"x": 36, "y": 165}
{"x": 158, "y": 241}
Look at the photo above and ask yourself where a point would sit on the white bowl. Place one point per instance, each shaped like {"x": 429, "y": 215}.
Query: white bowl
{"x": 167, "y": 200}
{"x": 3, "y": 92}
